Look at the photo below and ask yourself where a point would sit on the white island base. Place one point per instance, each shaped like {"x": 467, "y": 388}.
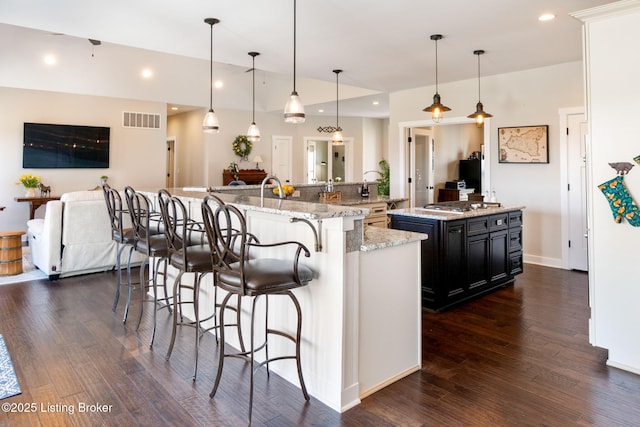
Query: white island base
{"x": 361, "y": 314}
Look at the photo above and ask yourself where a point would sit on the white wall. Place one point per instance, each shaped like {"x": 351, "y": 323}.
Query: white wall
{"x": 531, "y": 97}
{"x": 201, "y": 158}
{"x": 137, "y": 156}
{"x": 613, "y": 91}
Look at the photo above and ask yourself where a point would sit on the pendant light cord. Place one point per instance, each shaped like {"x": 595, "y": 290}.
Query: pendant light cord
{"x": 478, "y": 77}
{"x": 211, "y": 71}
{"x": 254, "y": 88}
{"x": 294, "y": 45}
{"x": 436, "y": 65}
{"x": 337, "y": 104}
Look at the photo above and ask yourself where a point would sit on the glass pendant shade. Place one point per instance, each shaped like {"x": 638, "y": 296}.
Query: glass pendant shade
{"x": 336, "y": 139}
{"x": 210, "y": 123}
{"x": 479, "y": 114}
{"x": 253, "y": 134}
{"x": 294, "y": 110}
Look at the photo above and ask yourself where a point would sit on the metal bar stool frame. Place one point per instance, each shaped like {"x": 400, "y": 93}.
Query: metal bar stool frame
{"x": 124, "y": 237}
{"x": 241, "y": 275}
{"x": 150, "y": 242}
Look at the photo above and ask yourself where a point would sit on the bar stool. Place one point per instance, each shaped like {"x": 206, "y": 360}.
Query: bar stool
{"x": 124, "y": 238}
{"x": 188, "y": 253}
{"x": 240, "y": 275}
{"x": 150, "y": 241}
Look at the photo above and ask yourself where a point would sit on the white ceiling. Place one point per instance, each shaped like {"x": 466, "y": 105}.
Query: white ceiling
{"x": 382, "y": 46}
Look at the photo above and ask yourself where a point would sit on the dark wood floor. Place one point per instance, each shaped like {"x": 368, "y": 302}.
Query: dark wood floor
{"x": 517, "y": 357}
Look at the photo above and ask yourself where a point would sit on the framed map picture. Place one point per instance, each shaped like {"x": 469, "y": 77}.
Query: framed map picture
{"x": 524, "y": 144}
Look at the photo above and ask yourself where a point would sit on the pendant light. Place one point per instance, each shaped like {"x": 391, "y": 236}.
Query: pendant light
{"x": 294, "y": 110}
{"x": 479, "y": 115}
{"x": 337, "y": 135}
{"x": 436, "y": 109}
{"x": 253, "y": 134}
{"x": 210, "y": 122}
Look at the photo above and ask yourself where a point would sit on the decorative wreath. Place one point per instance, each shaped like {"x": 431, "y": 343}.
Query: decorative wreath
{"x": 242, "y": 146}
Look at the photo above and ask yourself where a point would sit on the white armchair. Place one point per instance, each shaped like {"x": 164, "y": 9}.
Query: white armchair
{"x": 74, "y": 237}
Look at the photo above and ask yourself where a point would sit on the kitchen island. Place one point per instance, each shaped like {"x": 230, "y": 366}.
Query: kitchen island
{"x": 359, "y": 333}
{"x": 470, "y": 250}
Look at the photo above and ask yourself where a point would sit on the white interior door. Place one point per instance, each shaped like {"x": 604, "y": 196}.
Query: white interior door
{"x": 281, "y": 158}
{"x": 576, "y": 151}
{"x": 421, "y": 168}
{"x": 170, "y": 162}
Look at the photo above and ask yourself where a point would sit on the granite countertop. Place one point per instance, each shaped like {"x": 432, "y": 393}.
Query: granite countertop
{"x": 450, "y": 216}
{"x": 284, "y": 207}
{"x": 379, "y": 238}
{"x": 371, "y": 199}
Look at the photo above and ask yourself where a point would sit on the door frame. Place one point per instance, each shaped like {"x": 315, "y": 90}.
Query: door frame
{"x": 430, "y": 173}
{"x": 403, "y": 155}
{"x": 564, "y": 114}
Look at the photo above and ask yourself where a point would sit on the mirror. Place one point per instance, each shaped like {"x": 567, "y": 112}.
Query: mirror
{"x": 325, "y": 160}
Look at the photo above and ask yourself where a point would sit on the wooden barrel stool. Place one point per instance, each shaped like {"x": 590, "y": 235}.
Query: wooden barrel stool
{"x": 10, "y": 252}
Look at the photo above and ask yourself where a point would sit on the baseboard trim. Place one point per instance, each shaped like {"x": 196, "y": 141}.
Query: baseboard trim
{"x": 624, "y": 367}
{"x": 544, "y": 261}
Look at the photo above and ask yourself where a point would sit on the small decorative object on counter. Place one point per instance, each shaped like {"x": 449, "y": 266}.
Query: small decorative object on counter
{"x": 364, "y": 192}
{"x": 493, "y": 198}
{"x": 103, "y": 180}
{"x": 286, "y": 189}
{"x": 330, "y": 186}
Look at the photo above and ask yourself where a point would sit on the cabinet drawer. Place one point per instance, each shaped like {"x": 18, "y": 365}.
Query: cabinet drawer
{"x": 515, "y": 219}
{"x": 478, "y": 225}
{"x": 498, "y": 222}
{"x": 515, "y": 239}
{"x": 515, "y": 263}
{"x": 376, "y": 222}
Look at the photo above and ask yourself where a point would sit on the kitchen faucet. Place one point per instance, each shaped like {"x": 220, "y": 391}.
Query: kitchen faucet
{"x": 264, "y": 181}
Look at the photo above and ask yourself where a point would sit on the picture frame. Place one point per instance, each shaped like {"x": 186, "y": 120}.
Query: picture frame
{"x": 523, "y": 144}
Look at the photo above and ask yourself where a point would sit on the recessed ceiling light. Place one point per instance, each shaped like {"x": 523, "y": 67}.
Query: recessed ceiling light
{"x": 321, "y": 111}
{"x": 546, "y": 17}
{"x": 218, "y": 84}
{"x": 174, "y": 108}
{"x": 49, "y": 59}
{"x": 147, "y": 73}
{"x": 376, "y": 103}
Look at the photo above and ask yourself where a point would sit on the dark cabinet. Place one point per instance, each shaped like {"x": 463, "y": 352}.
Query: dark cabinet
{"x": 248, "y": 176}
{"x": 464, "y": 258}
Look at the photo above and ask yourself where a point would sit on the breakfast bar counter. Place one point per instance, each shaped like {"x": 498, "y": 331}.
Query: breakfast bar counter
{"x": 361, "y": 312}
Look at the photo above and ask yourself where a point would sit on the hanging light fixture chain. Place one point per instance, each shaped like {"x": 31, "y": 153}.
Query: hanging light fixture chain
{"x": 253, "y": 67}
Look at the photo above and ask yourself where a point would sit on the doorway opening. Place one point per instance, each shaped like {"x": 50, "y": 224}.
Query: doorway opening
{"x": 170, "y": 162}
{"x": 428, "y": 165}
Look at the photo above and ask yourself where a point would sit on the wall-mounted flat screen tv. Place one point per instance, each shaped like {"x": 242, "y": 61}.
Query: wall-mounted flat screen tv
{"x": 65, "y": 146}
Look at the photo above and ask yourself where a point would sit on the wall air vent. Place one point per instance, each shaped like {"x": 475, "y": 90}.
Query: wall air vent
{"x": 140, "y": 120}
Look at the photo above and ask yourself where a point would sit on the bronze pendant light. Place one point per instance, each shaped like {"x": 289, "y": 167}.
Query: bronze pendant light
{"x": 480, "y": 114}
{"x": 436, "y": 109}
{"x": 210, "y": 122}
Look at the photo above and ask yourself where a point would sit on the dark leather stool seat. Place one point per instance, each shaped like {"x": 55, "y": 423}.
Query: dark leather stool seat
{"x": 240, "y": 275}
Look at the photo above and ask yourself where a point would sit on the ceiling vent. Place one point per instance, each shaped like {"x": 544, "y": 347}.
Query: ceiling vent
{"x": 140, "y": 120}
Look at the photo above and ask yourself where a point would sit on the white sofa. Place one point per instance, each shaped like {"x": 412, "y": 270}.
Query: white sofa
{"x": 74, "y": 237}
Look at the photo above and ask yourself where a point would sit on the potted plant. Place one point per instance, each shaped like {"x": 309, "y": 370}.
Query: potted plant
{"x": 385, "y": 178}
{"x": 103, "y": 179}
{"x": 30, "y": 183}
